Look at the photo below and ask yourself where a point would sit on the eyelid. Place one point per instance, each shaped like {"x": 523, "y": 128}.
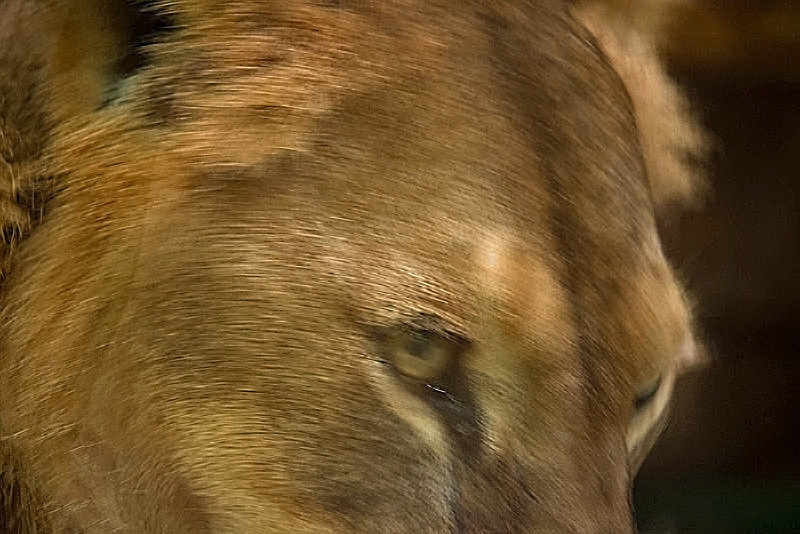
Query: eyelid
{"x": 644, "y": 398}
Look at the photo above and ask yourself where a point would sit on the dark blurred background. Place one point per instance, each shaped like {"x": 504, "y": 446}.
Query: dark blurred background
{"x": 730, "y": 460}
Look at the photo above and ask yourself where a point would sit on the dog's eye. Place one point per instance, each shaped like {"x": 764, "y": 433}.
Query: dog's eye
{"x": 646, "y": 396}
{"x": 420, "y": 354}
{"x": 650, "y": 415}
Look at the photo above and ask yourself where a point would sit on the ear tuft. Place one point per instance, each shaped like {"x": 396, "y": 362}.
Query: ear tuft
{"x": 646, "y": 17}
{"x": 674, "y": 145}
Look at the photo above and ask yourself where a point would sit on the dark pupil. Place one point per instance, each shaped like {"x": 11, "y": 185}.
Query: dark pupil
{"x": 419, "y": 344}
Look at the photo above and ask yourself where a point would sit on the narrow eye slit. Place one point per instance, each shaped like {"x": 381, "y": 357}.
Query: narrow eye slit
{"x": 646, "y": 396}
{"x": 421, "y": 354}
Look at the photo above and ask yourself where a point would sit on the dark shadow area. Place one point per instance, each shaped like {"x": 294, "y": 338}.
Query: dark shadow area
{"x": 730, "y": 460}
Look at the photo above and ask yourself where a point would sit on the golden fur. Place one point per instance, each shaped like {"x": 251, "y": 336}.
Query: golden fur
{"x": 247, "y": 215}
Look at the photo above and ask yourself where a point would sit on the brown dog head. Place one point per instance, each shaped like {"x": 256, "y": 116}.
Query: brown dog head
{"x": 352, "y": 266}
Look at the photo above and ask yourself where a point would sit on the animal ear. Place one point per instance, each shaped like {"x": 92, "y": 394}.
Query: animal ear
{"x": 674, "y": 146}
{"x": 98, "y": 43}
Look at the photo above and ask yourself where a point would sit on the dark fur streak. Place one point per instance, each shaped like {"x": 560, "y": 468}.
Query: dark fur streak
{"x": 143, "y": 24}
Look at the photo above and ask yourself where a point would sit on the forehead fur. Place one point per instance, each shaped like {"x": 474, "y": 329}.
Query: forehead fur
{"x": 671, "y": 141}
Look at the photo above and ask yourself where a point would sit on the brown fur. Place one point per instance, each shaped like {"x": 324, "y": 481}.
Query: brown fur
{"x": 193, "y": 338}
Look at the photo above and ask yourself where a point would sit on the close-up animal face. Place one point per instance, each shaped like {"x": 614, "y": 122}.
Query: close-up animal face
{"x": 335, "y": 267}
